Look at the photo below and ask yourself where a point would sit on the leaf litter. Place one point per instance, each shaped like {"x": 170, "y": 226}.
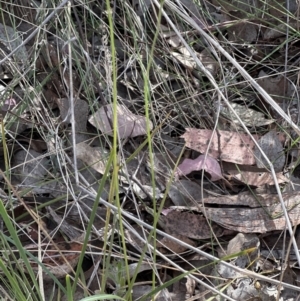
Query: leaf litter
{"x": 53, "y": 174}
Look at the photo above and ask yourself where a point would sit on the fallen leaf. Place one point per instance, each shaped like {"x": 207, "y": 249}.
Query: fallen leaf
{"x": 190, "y": 286}
{"x": 140, "y": 291}
{"x": 228, "y": 272}
{"x": 133, "y": 269}
{"x": 289, "y": 276}
{"x": 243, "y": 288}
{"x": 207, "y": 163}
{"x": 279, "y": 30}
{"x": 180, "y": 287}
{"x": 64, "y": 226}
{"x": 129, "y": 124}
{"x": 226, "y": 146}
{"x": 135, "y": 240}
{"x": 275, "y": 8}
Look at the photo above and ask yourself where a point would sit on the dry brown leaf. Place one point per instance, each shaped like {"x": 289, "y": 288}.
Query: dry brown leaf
{"x": 64, "y": 226}
{"x": 263, "y": 214}
{"x": 190, "y": 286}
{"x": 135, "y": 241}
{"x": 140, "y": 191}
{"x": 51, "y": 54}
{"x": 233, "y": 147}
{"x": 138, "y": 291}
{"x": 276, "y": 7}
{"x": 279, "y": 30}
{"x": 179, "y": 288}
{"x": 245, "y": 287}
{"x": 129, "y": 124}
{"x": 173, "y": 40}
